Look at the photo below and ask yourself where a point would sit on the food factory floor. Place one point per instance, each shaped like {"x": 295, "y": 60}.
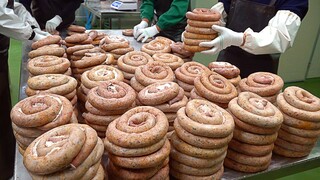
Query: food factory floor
{"x": 312, "y": 85}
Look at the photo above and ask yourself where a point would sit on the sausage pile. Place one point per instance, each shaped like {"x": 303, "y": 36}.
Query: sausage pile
{"x": 107, "y": 102}
{"x": 257, "y": 124}
{"x": 165, "y": 96}
{"x": 66, "y": 152}
{"x": 200, "y": 141}
{"x": 137, "y": 145}
{"x": 37, "y": 114}
{"x": 301, "y": 125}
{"x": 116, "y": 45}
{"x": 93, "y": 78}
{"x": 198, "y": 30}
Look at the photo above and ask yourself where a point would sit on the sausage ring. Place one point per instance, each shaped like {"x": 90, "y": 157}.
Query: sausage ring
{"x": 153, "y": 72}
{"x": 52, "y": 83}
{"x": 197, "y": 118}
{"x": 215, "y": 87}
{"x": 203, "y": 14}
{"x": 55, "y": 39}
{"x": 156, "y": 46}
{"x": 262, "y": 83}
{"x": 254, "y": 110}
{"x": 48, "y": 65}
{"x": 171, "y": 60}
{"x": 113, "y": 95}
{"x": 131, "y": 60}
{"x": 139, "y": 127}
{"x": 158, "y": 93}
{"x": 96, "y": 75}
{"x": 189, "y": 71}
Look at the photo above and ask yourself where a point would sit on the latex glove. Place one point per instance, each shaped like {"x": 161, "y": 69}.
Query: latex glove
{"x": 182, "y": 36}
{"x": 38, "y": 36}
{"x": 141, "y": 25}
{"x": 53, "y": 23}
{"x": 147, "y": 33}
{"x": 226, "y": 38}
{"x": 37, "y": 30}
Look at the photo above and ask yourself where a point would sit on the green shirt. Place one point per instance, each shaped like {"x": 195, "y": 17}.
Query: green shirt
{"x": 173, "y": 16}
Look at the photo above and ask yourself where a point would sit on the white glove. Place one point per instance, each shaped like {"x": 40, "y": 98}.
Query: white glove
{"x": 226, "y": 38}
{"x": 182, "y": 36}
{"x": 38, "y": 36}
{"x": 141, "y": 25}
{"x": 147, "y": 33}
{"x": 53, "y": 23}
{"x": 37, "y": 30}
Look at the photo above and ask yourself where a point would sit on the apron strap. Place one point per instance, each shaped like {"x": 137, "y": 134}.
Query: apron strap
{"x": 272, "y": 2}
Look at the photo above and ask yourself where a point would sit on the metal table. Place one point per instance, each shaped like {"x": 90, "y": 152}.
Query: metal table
{"x": 103, "y": 11}
{"x": 280, "y": 166}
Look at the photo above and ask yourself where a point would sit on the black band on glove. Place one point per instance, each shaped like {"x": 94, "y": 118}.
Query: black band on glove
{"x": 32, "y": 35}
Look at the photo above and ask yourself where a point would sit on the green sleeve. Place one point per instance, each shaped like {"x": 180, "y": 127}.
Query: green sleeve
{"x": 147, "y": 9}
{"x": 174, "y": 15}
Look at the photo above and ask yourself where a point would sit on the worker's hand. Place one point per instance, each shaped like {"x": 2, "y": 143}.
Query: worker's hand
{"x": 226, "y": 38}
{"x": 147, "y": 33}
{"x": 53, "y": 23}
{"x": 39, "y": 31}
{"x": 38, "y": 36}
{"x": 141, "y": 25}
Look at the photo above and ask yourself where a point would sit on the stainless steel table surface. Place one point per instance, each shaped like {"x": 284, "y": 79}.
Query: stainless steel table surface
{"x": 103, "y": 11}
{"x": 280, "y": 166}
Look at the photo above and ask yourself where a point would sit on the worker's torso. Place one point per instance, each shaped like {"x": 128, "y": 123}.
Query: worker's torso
{"x": 245, "y": 14}
{"x": 44, "y": 10}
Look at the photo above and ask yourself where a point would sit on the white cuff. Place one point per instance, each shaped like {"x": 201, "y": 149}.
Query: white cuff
{"x": 277, "y": 37}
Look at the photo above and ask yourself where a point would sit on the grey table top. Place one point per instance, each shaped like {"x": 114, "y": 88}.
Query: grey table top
{"x": 280, "y": 166}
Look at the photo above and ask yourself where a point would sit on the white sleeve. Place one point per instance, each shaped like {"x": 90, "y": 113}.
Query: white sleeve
{"x": 220, "y": 8}
{"x": 11, "y": 25}
{"x": 24, "y": 15}
{"x": 277, "y": 37}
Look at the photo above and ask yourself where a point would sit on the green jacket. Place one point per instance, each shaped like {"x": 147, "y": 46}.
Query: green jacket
{"x": 171, "y": 17}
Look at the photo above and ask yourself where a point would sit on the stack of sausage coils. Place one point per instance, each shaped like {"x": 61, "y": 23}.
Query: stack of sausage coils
{"x": 257, "y": 124}
{"x": 165, "y": 96}
{"x": 93, "y": 78}
{"x": 198, "y": 30}
{"x": 116, "y": 45}
{"x": 137, "y": 145}
{"x": 79, "y": 146}
{"x": 37, "y": 114}
{"x": 106, "y": 103}
{"x": 200, "y": 141}
{"x": 301, "y": 124}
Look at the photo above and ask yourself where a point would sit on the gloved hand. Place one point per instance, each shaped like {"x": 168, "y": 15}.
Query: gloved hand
{"x": 53, "y": 23}
{"x": 141, "y": 25}
{"x": 38, "y": 30}
{"x": 147, "y": 33}
{"x": 226, "y": 38}
{"x": 38, "y": 36}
